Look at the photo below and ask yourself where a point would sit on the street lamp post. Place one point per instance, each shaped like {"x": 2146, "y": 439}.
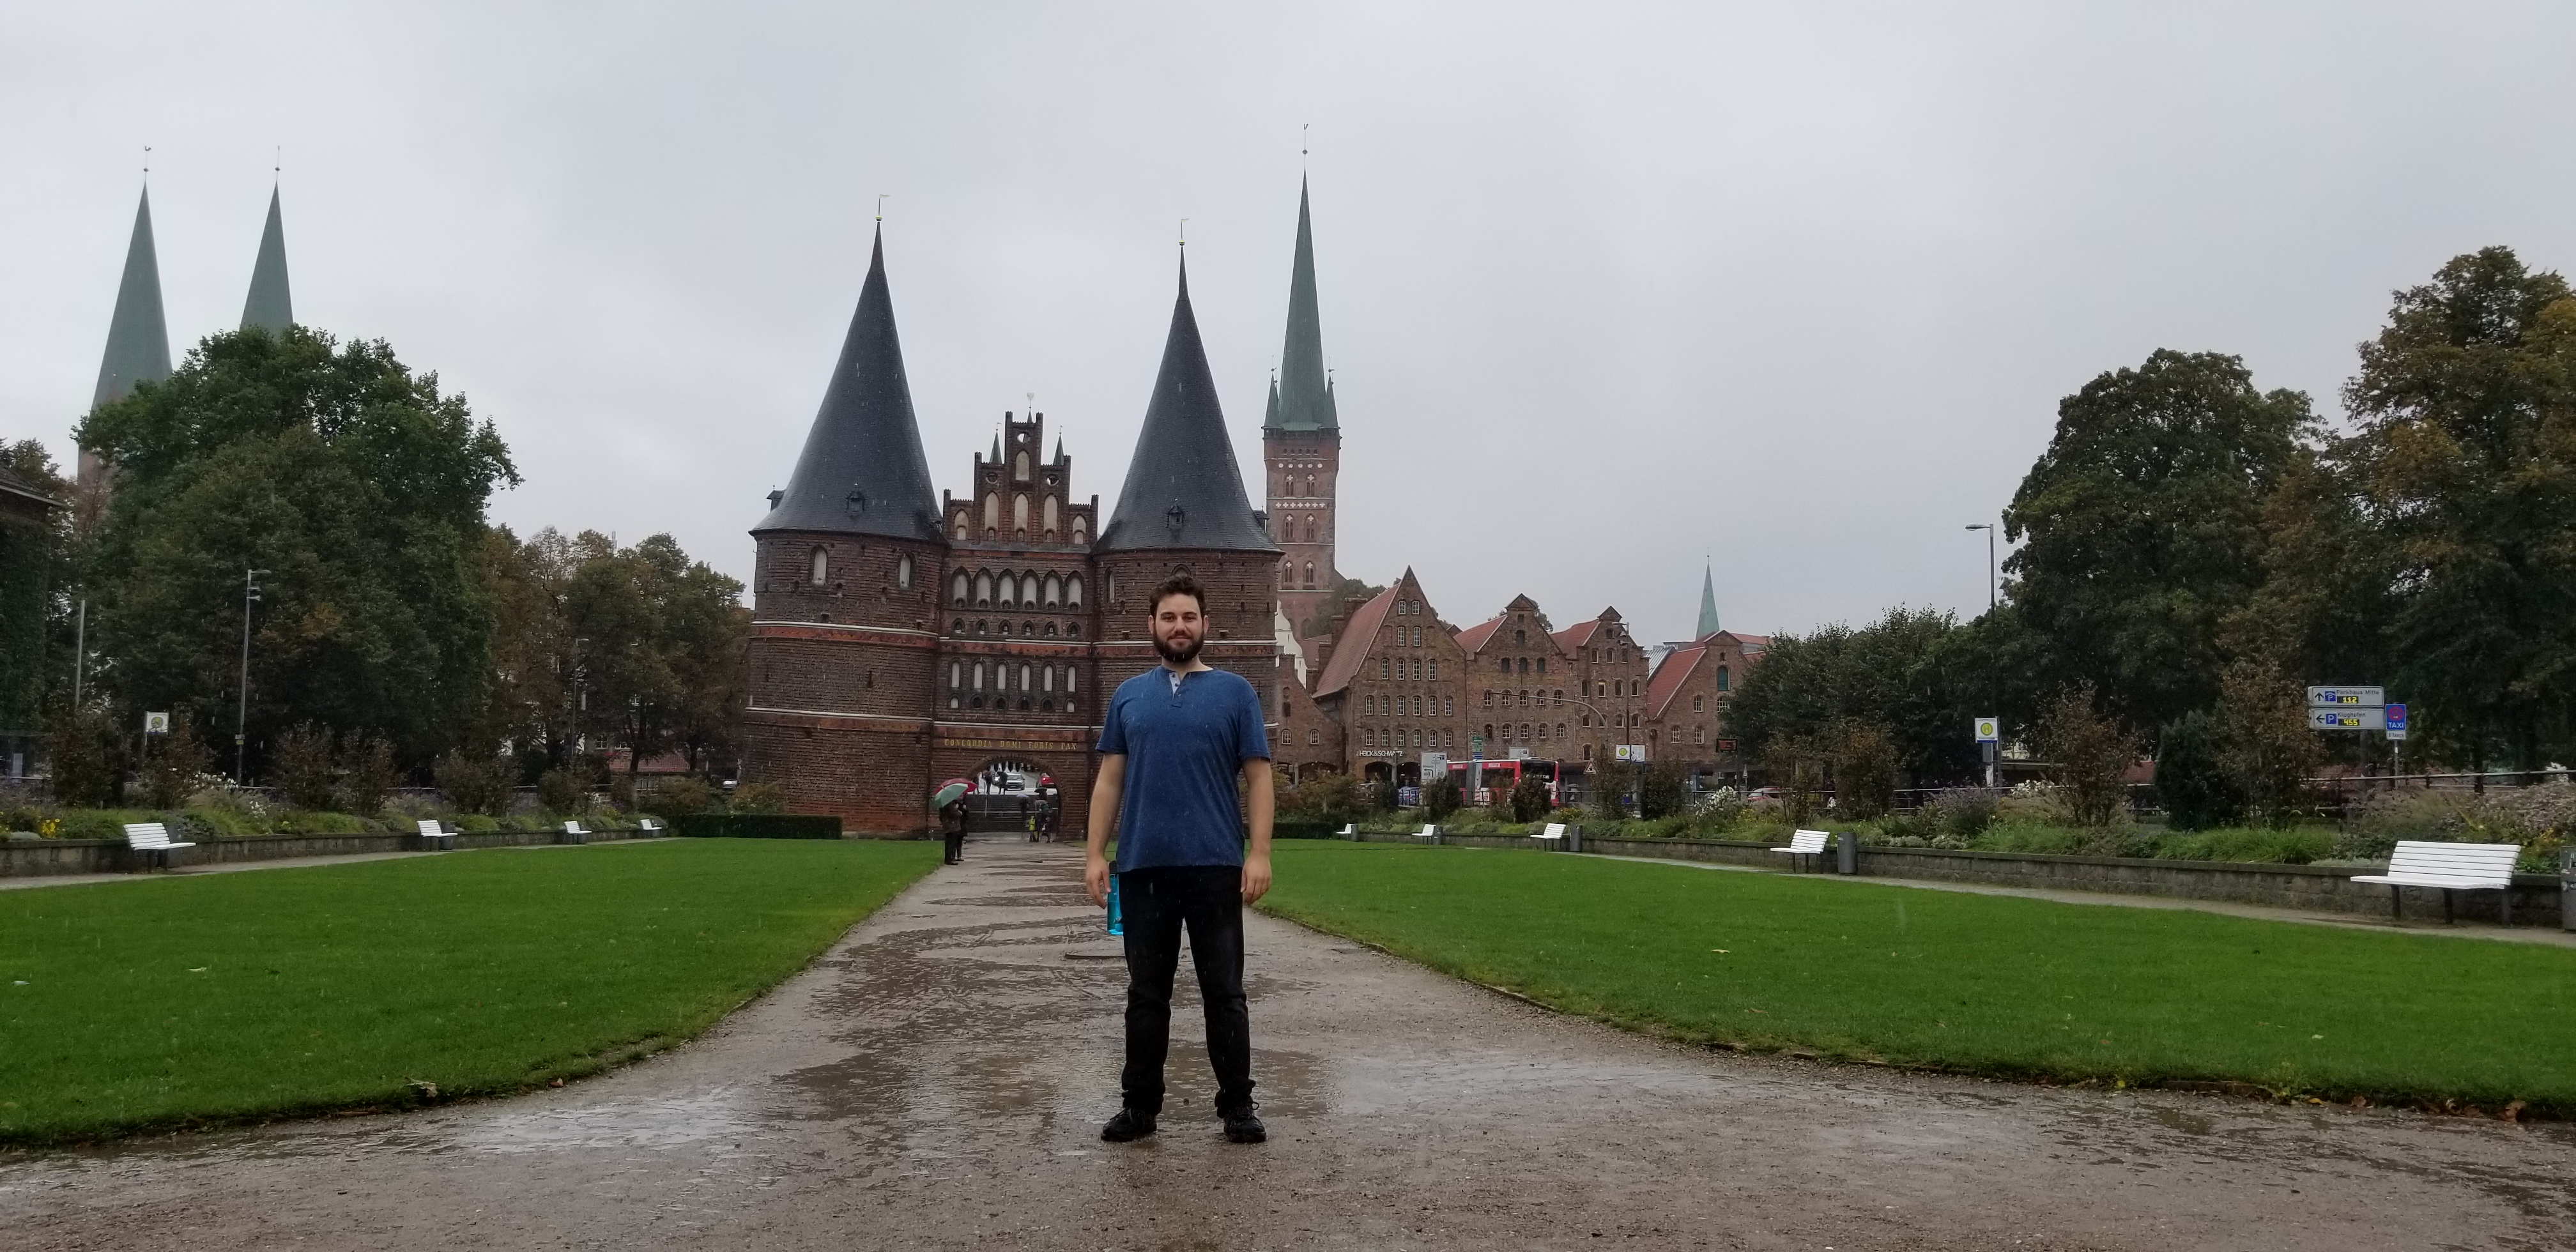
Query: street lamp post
{"x": 1989, "y": 528}
{"x": 241, "y": 709}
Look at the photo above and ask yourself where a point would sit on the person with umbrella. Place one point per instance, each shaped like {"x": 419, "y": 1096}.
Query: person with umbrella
{"x": 950, "y": 800}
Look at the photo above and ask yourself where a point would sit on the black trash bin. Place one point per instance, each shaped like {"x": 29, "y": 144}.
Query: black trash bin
{"x": 2567, "y": 889}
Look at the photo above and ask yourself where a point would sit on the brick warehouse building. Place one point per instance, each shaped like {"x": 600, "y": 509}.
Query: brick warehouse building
{"x": 898, "y": 639}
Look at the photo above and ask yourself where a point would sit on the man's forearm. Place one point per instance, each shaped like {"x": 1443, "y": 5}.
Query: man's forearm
{"x": 1261, "y": 805}
{"x": 1104, "y": 814}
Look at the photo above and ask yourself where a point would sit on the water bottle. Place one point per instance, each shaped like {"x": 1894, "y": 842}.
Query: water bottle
{"x": 1117, "y": 924}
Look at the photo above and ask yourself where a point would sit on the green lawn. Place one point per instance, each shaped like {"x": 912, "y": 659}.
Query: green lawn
{"x": 180, "y": 1001}
{"x": 1985, "y": 984}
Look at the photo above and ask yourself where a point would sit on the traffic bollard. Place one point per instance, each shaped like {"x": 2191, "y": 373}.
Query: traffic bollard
{"x": 1574, "y": 837}
{"x": 1846, "y": 852}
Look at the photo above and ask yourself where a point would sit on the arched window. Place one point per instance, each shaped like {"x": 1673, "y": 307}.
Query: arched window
{"x": 1310, "y": 574}
{"x": 1542, "y": 665}
{"x": 1077, "y": 530}
{"x": 992, "y": 510}
{"x": 819, "y": 568}
{"x": 1073, "y": 585}
{"x": 983, "y": 591}
{"x": 1070, "y": 686}
{"x": 979, "y": 675}
{"x": 903, "y": 571}
{"x": 1054, "y": 595}
{"x": 958, "y": 589}
{"x": 1721, "y": 678}
{"x": 961, "y": 528}
{"x": 1024, "y": 677}
{"x": 1046, "y": 679}
{"x": 1310, "y": 484}
{"x": 1020, "y": 512}
{"x": 1560, "y": 730}
{"x": 956, "y": 673}
{"x": 1047, "y": 517}
{"x": 1520, "y": 639}
{"x": 1020, "y": 468}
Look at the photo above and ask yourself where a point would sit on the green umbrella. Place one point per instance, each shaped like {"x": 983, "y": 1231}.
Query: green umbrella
{"x": 949, "y": 792}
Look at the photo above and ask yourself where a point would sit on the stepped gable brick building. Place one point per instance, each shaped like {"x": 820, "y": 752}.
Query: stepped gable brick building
{"x": 1517, "y": 680}
{"x": 1686, "y": 701}
{"x": 1395, "y": 678}
{"x": 1301, "y": 454}
{"x": 900, "y": 639}
{"x": 1687, "y": 695}
{"x": 1606, "y": 660}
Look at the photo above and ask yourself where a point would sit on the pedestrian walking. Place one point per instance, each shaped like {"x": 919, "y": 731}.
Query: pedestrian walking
{"x": 1173, "y": 742}
{"x": 952, "y": 827}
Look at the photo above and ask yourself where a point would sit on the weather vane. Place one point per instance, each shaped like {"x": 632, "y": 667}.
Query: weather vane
{"x": 881, "y": 199}
{"x": 1185, "y": 232}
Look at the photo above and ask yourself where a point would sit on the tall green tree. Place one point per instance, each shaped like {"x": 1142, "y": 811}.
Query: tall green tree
{"x": 356, "y": 483}
{"x": 2463, "y": 474}
{"x": 1915, "y": 673}
{"x": 37, "y": 572}
{"x": 637, "y": 646}
{"x": 2141, "y": 529}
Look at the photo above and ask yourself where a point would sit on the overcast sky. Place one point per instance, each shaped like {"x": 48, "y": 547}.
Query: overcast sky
{"x": 1608, "y": 290}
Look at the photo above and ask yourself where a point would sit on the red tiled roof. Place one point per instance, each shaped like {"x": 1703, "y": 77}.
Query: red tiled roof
{"x": 1353, "y": 646}
{"x": 1577, "y": 635}
{"x": 1672, "y": 674}
{"x": 1473, "y": 638}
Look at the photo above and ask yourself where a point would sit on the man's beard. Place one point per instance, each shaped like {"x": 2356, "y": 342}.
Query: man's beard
{"x": 1182, "y": 654}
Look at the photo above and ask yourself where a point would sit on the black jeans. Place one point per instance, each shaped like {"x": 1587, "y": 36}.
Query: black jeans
{"x": 956, "y": 846}
{"x": 1155, "y": 904}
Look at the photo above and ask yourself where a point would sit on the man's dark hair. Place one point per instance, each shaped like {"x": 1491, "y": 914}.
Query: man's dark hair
{"x": 1176, "y": 585}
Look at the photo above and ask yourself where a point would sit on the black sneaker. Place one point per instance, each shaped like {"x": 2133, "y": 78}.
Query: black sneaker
{"x": 1243, "y": 1125}
{"x": 1129, "y": 1125}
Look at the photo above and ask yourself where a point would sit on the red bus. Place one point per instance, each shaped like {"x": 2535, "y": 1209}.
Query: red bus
{"x": 1499, "y": 777}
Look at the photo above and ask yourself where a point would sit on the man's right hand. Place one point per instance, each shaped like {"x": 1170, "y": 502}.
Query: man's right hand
{"x": 1095, "y": 879}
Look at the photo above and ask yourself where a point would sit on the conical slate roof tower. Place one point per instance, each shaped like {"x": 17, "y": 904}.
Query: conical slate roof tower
{"x": 1707, "y": 605}
{"x": 270, "y": 307}
{"x": 1183, "y": 489}
{"x": 138, "y": 337}
{"x": 862, "y": 471}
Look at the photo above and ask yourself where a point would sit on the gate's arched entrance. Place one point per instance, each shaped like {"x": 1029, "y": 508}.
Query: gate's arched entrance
{"x": 1008, "y": 792}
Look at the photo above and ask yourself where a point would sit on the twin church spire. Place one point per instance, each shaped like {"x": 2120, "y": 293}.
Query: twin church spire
{"x": 138, "y": 332}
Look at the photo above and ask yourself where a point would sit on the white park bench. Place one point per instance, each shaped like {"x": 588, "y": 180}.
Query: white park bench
{"x": 2450, "y": 867}
{"x": 647, "y": 828}
{"x": 1350, "y": 831}
{"x": 1804, "y": 843}
{"x": 434, "y": 839}
{"x": 151, "y": 841}
{"x": 573, "y": 833}
{"x": 1554, "y": 833}
{"x": 1428, "y": 832}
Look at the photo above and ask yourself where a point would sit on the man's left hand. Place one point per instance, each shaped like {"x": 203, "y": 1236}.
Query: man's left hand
{"x": 1256, "y": 878}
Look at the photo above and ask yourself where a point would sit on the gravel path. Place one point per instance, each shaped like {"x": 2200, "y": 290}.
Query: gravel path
{"x": 937, "y": 1079}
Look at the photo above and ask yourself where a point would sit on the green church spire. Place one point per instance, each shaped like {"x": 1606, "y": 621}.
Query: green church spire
{"x": 1707, "y": 605}
{"x": 1305, "y": 394}
{"x": 269, "y": 307}
{"x": 138, "y": 337}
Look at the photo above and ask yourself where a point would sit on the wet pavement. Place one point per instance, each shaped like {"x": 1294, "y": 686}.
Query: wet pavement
{"x": 937, "y": 1080}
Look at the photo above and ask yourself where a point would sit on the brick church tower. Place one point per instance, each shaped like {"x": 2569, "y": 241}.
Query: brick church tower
{"x": 844, "y": 636}
{"x": 1183, "y": 507}
{"x": 1301, "y": 450}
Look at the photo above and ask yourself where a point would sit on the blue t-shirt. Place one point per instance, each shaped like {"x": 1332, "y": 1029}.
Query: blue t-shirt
{"x": 1184, "y": 749}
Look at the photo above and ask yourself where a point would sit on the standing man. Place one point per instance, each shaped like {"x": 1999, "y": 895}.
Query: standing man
{"x": 1182, "y": 734}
